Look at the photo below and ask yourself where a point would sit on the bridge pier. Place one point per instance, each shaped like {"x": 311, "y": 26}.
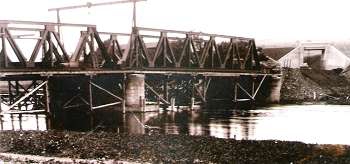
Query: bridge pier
{"x": 135, "y": 92}
{"x": 275, "y": 88}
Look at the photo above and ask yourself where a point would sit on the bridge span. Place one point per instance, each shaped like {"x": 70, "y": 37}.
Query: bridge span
{"x": 158, "y": 67}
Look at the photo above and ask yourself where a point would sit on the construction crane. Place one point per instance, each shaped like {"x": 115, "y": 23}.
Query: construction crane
{"x": 89, "y": 5}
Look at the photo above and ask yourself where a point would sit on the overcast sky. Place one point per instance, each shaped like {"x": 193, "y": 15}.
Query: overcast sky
{"x": 280, "y": 20}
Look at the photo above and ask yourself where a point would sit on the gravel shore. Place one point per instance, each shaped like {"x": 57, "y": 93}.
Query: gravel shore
{"x": 159, "y": 148}
{"x": 314, "y": 86}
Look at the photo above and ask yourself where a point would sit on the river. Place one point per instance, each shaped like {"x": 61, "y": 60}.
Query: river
{"x": 322, "y": 124}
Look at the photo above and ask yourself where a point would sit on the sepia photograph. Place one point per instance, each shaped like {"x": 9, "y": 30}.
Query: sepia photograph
{"x": 174, "y": 81}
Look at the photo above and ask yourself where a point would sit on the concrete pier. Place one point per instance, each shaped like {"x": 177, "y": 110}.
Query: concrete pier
{"x": 135, "y": 92}
{"x": 275, "y": 88}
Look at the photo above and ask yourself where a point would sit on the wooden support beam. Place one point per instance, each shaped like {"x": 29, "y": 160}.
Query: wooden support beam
{"x": 90, "y": 94}
{"x": 235, "y": 91}
{"x": 245, "y": 91}
{"x": 20, "y": 121}
{"x": 70, "y": 100}
{"x": 200, "y": 94}
{"x": 258, "y": 88}
{"x": 105, "y": 105}
{"x": 157, "y": 94}
{"x": 74, "y": 106}
{"x": 105, "y": 90}
{"x": 37, "y": 121}
{"x": 166, "y": 88}
{"x": 23, "y": 112}
{"x": 27, "y": 95}
{"x": 124, "y": 93}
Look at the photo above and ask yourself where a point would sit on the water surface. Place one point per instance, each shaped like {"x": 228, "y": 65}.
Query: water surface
{"x": 322, "y": 124}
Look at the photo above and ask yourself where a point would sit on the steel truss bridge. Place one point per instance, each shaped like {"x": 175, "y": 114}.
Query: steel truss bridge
{"x": 188, "y": 66}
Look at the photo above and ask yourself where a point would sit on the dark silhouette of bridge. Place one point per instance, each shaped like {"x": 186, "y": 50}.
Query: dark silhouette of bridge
{"x": 161, "y": 67}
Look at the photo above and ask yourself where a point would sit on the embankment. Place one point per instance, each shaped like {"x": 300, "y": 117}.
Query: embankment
{"x": 308, "y": 85}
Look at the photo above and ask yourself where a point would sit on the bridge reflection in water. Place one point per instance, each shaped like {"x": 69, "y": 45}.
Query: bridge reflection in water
{"x": 291, "y": 123}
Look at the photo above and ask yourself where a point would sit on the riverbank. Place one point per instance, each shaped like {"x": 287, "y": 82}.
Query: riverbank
{"x": 314, "y": 86}
{"x": 158, "y": 148}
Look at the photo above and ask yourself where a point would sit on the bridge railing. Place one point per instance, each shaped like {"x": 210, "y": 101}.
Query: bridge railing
{"x": 146, "y": 48}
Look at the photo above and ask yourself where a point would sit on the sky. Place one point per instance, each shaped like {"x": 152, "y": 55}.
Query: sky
{"x": 269, "y": 20}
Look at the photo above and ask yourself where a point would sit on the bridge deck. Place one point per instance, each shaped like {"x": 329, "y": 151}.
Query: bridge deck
{"x": 205, "y": 72}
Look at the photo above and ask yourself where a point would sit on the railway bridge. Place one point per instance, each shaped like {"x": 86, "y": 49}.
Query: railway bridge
{"x": 153, "y": 67}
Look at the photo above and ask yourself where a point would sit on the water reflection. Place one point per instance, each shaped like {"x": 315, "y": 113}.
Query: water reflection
{"x": 324, "y": 124}
{"x": 23, "y": 122}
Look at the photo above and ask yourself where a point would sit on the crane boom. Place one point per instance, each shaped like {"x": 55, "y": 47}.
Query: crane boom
{"x": 89, "y": 4}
